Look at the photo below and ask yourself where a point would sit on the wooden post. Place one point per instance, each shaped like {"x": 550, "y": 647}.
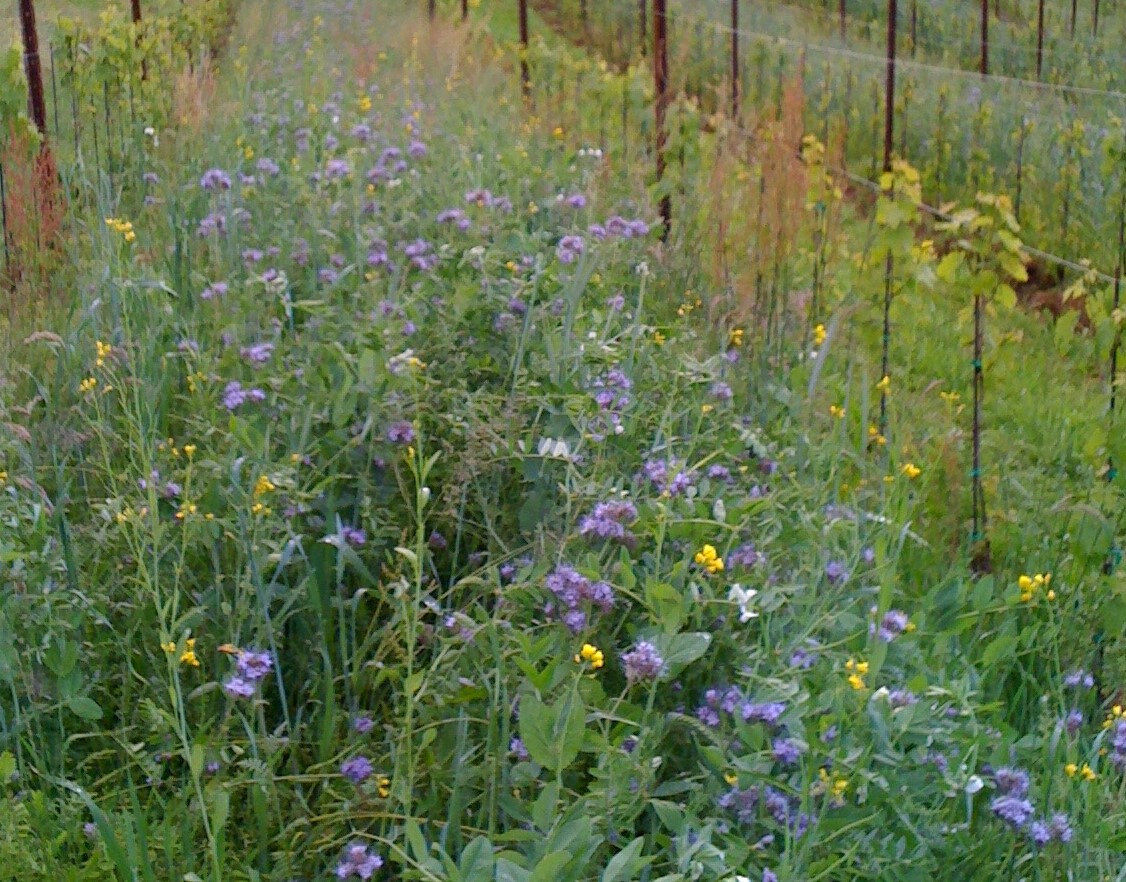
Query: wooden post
{"x": 135, "y": 8}
{"x": 844, "y": 22}
{"x": 525, "y": 77}
{"x": 641, "y": 16}
{"x": 1040, "y": 39}
{"x": 889, "y": 264}
{"x": 431, "y": 8}
{"x": 32, "y": 68}
{"x": 1095, "y": 22}
{"x": 914, "y": 25}
{"x": 984, "y": 37}
{"x": 734, "y": 59}
{"x": 464, "y": 10}
{"x": 1074, "y": 12}
{"x": 660, "y": 105}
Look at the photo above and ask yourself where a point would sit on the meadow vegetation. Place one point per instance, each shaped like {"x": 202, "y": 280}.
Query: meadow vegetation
{"x": 385, "y": 494}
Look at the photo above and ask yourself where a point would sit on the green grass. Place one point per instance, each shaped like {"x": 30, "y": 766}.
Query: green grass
{"x": 314, "y": 501}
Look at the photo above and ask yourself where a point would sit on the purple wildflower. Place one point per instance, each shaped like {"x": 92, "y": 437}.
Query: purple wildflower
{"x": 358, "y": 861}
{"x": 335, "y": 169}
{"x": 643, "y": 662}
{"x": 721, "y": 391}
{"x": 1075, "y": 679}
{"x": 215, "y": 289}
{"x": 254, "y": 665}
{"x": 1073, "y": 722}
{"x": 400, "y": 432}
{"x": 257, "y": 354}
{"x": 1011, "y": 781}
{"x": 215, "y": 179}
{"x": 357, "y": 769}
{"x": 746, "y": 556}
{"x": 235, "y": 396}
{"x": 1013, "y": 810}
{"x": 786, "y": 751}
{"x": 570, "y": 248}
{"x": 237, "y": 687}
{"x": 1040, "y": 833}
{"x": 1060, "y": 826}
{"x": 767, "y": 712}
{"x": 835, "y": 572}
{"x": 517, "y": 749}
{"x": 354, "y": 536}
{"x": 609, "y": 522}
{"x": 894, "y": 623}
{"x": 363, "y": 724}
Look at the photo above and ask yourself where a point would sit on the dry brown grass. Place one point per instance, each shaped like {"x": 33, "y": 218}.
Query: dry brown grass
{"x": 33, "y": 216}
{"x": 193, "y": 95}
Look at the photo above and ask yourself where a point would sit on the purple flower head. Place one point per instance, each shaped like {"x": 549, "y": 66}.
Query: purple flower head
{"x": 1013, "y": 810}
{"x": 436, "y": 541}
{"x": 258, "y": 354}
{"x": 902, "y": 698}
{"x": 363, "y": 724}
{"x": 354, "y": 536}
{"x": 518, "y": 750}
{"x": 575, "y": 200}
{"x": 643, "y": 662}
{"x": 768, "y": 875}
{"x": 267, "y": 166}
{"x": 335, "y": 169}
{"x": 894, "y": 623}
{"x": 1011, "y": 781}
{"x": 1073, "y": 722}
{"x": 802, "y": 659}
{"x": 150, "y": 178}
{"x": 746, "y": 556}
{"x": 786, "y": 751}
{"x": 1060, "y": 826}
{"x": 215, "y": 179}
{"x": 253, "y": 665}
{"x": 609, "y": 522}
{"x": 252, "y": 256}
{"x": 617, "y": 302}
{"x": 237, "y": 687}
{"x": 1040, "y": 833}
{"x": 719, "y": 472}
{"x": 358, "y": 861}
{"x": 400, "y": 432}
{"x": 597, "y": 232}
{"x": 235, "y": 396}
{"x": 721, "y": 391}
{"x": 835, "y": 572}
{"x": 212, "y": 224}
{"x": 1075, "y": 679}
{"x": 454, "y": 216}
{"x": 417, "y": 149}
{"x": 570, "y": 248}
{"x": 767, "y": 712}
{"x": 215, "y": 290}
{"x": 357, "y": 769}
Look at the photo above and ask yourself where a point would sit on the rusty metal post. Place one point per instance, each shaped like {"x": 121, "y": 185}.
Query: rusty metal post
{"x": 525, "y": 77}
{"x": 1040, "y": 39}
{"x": 660, "y": 105}
{"x": 889, "y": 264}
{"x": 984, "y": 37}
{"x": 735, "y": 59}
{"x": 32, "y": 68}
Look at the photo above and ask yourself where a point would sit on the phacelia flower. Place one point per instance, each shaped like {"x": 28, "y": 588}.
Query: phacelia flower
{"x": 358, "y": 861}
{"x": 357, "y": 769}
{"x": 643, "y": 662}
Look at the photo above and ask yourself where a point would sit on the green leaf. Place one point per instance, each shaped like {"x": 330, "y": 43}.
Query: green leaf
{"x": 665, "y": 604}
{"x": 85, "y": 707}
{"x": 624, "y": 864}
{"x": 681, "y": 650}
{"x": 947, "y": 269}
{"x": 535, "y": 730}
{"x": 997, "y": 648}
{"x": 1013, "y": 266}
{"x": 507, "y": 871}
{"x": 548, "y": 868}
{"x": 477, "y": 863}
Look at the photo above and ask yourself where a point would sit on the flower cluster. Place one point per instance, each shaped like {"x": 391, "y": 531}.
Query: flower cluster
{"x": 643, "y": 662}
{"x": 658, "y": 472}
{"x": 124, "y": 227}
{"x": 612, "y": 398}
{"x": 1030, "y": 586}
{"x": 609, "y": 522}
{"x": 251, "y": 668}
{"x": 358, "y": 861}
{"x": 591, "y": 655}
{"x": 1013, "y": 806}
{"x": 708, "y": 558}
{"x": 577, "y": 596}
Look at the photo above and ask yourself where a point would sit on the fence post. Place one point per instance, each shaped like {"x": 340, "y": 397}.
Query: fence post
{"x": 1074, "y": 12}
{"x": 641, "y": 8}
{"x": 32, "y": 69}
{"x": 431, "y": 8}
{"x": 735, "y": 59}
{"x": 1095, "y": 22}
{"x": 1039, "y": 39}
{"x": 660, "y": 105}
{"x": 889, "y": 263}
{"x": 525, "y": 77}
{"x": 843, "y": 11}
{"x": 464, "y": 9}
{"x": 984, "y": 37}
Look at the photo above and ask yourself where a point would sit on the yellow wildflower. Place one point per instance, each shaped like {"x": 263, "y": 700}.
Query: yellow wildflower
{"x": 88, "y": 385}
{"x": 819, "y": 335}
{"x": 383, "y": 783}
{"x": 189, "y": 450}
{"x": 735, "y": 337}
{"x": 592, "y": 654}
{"x": 103, "y": 350}
{"x": 836, "y": 411}
{"x": 911, "y": 470}
{"x": 709, "y": 559}
{"x": 884, "y": 385}
{"x": 263, "y": 486}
